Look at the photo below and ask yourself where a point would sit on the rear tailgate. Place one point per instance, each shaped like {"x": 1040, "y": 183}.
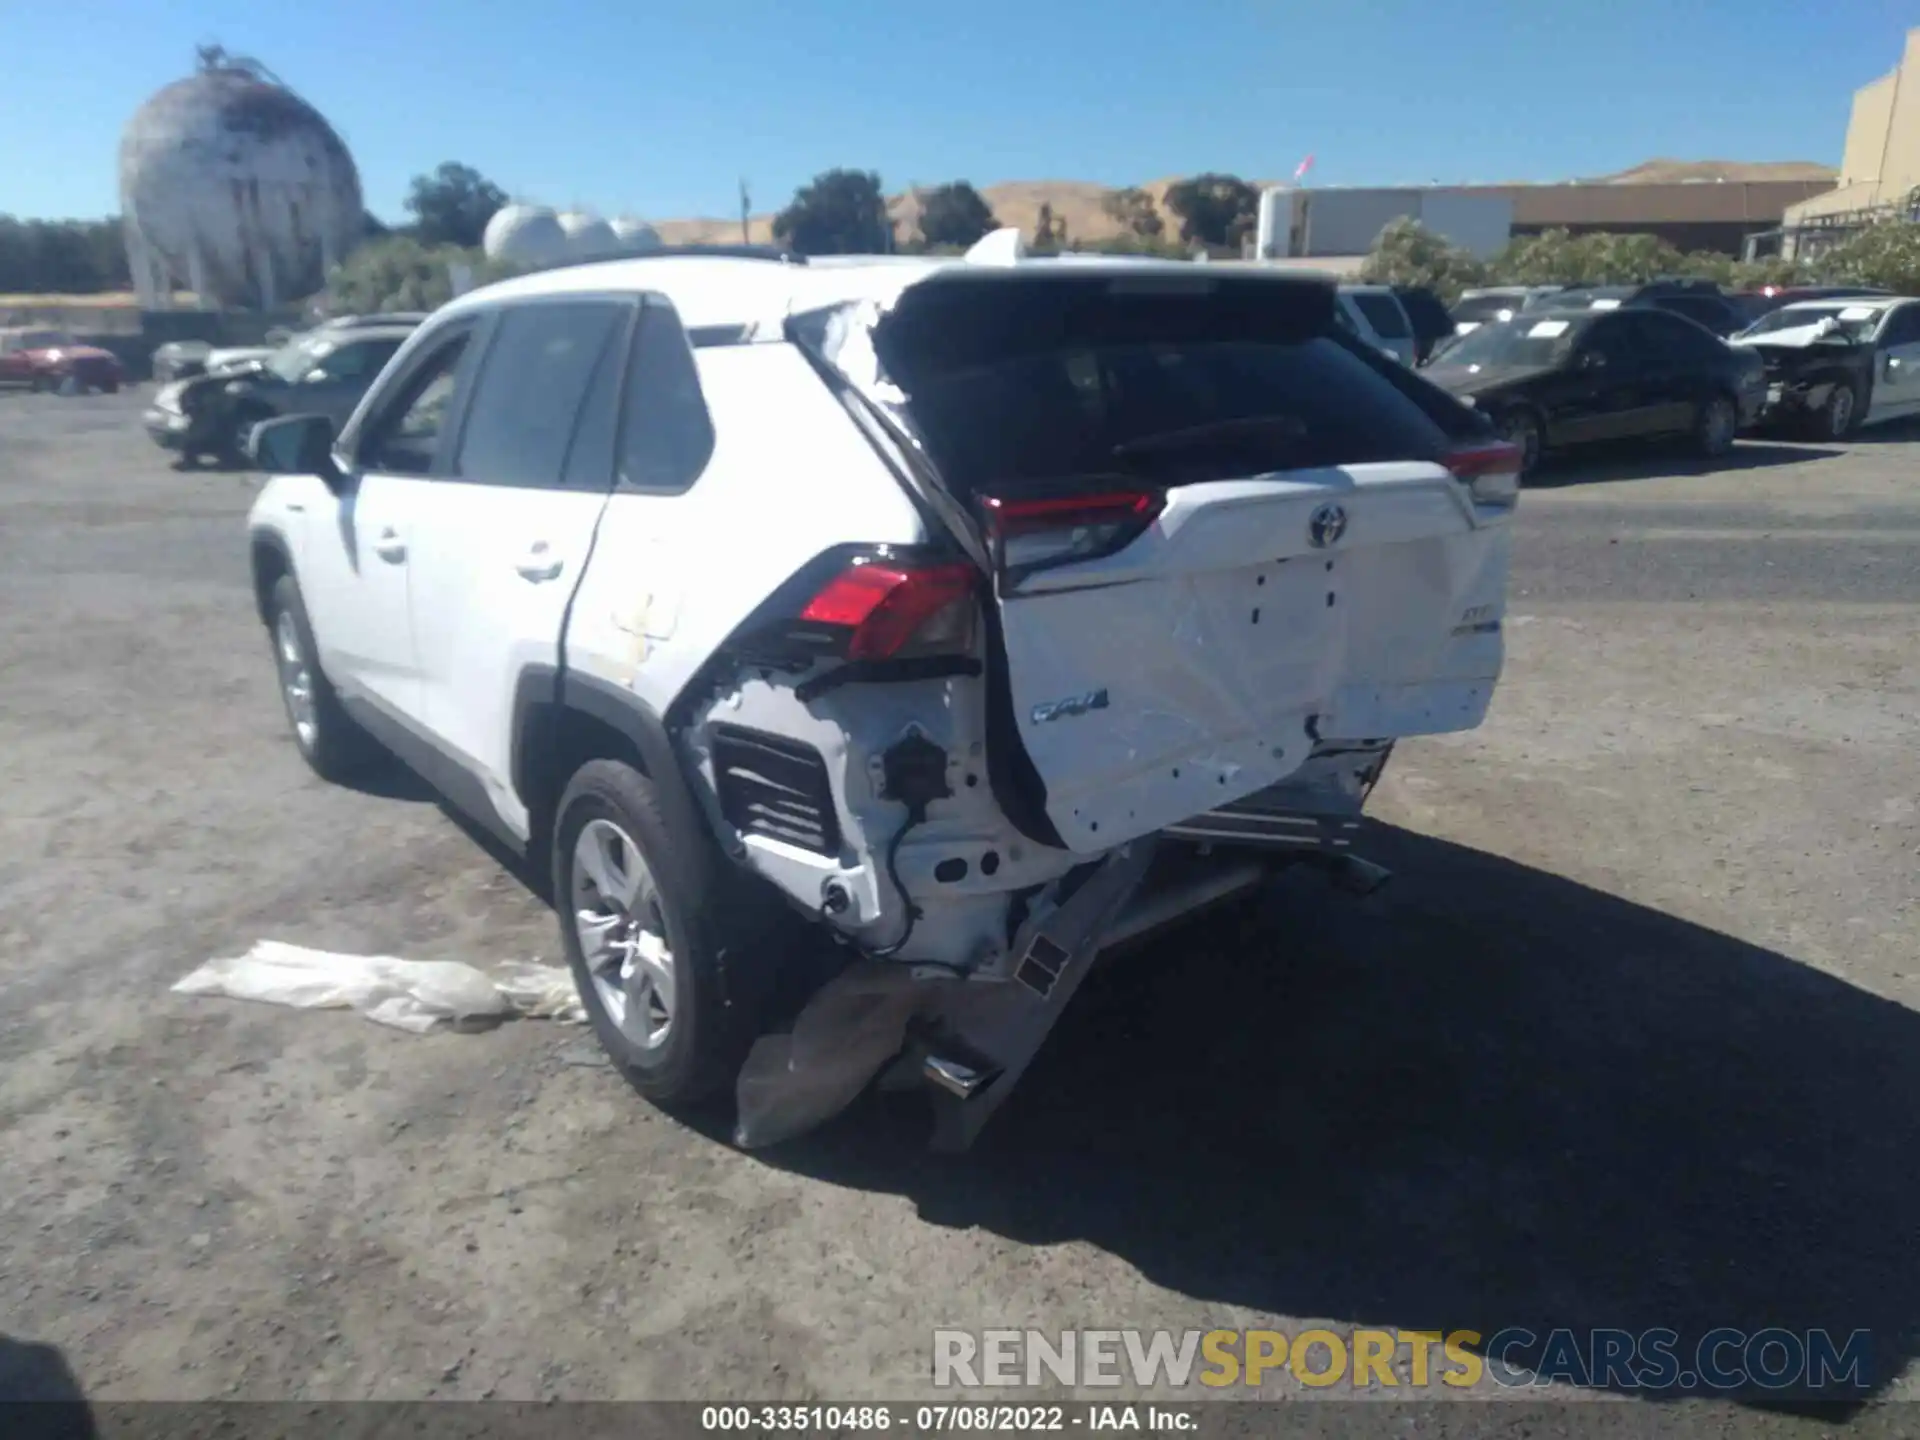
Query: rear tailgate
{"x": 1219, "y": 532}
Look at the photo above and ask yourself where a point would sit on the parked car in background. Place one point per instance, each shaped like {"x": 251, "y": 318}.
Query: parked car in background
{"x": 324, "y": 372}
{"x": 178, "y": 359}
{"x": 54, "y": 360}
{"x": 1555, "y": 379}
{"x": 1772, "y": 297}
{"x": 182, "y": 359}
{"x": 1495, "y": 302}
{"x": 1834, "y": 365}
{"x": 1701, "y": 301}
{"x": 1427, "y": 313}
{"x": 1374, "y": 313}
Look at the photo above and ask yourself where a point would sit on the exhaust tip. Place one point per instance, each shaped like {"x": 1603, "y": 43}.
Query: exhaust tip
{"x": 958, "y": 1078}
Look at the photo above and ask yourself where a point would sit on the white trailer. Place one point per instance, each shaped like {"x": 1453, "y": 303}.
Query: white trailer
{"x": 1305, "y": 223}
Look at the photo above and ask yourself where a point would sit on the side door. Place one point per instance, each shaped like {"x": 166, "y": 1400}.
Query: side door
{"x": 513, "y": 522}
{"x": 1602, "y": 385}
{"x": 1896, "y": 375}
{"x": 353, "y": 565}
{"x": 334, "y": 383}
{"x": 1609, "y": 360}
{"x": 1674, "y": 369}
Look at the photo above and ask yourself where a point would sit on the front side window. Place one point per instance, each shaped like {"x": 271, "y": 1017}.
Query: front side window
{"x": 406, "y": 436}
{"x": 528, "y": 398}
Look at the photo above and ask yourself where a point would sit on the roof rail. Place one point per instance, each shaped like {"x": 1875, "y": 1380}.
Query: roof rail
{"x": 774, "y": 253}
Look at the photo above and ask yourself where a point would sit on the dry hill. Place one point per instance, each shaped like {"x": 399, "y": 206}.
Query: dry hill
{"x": 1080, "y": 202}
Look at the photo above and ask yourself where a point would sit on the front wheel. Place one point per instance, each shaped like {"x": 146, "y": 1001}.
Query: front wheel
{"x": 329, "y": 741}
{"x": 1521, "y": 430}
{"x": 1715, "y": 425}
{"x": 1841, "y": 412}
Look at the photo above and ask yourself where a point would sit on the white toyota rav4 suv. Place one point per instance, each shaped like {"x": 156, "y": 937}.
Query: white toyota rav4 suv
{"x": 980, "y": 612}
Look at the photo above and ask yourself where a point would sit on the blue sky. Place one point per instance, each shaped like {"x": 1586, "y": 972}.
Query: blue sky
{"x": 658, "y": 108}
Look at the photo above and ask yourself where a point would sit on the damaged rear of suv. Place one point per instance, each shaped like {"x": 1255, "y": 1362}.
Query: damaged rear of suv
{"x": 981, "y": 615}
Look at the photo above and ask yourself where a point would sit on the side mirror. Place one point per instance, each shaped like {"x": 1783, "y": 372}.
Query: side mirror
{"x": 295, "y": 445}
{"x": 1889, "y": 365}
{"x": 1592, "y": 359}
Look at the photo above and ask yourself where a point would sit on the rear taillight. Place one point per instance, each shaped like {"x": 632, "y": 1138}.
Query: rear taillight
{"x": 1491, "y": 472}
{"x": 877, "y": 610}
{"x": 1030, "y": 532}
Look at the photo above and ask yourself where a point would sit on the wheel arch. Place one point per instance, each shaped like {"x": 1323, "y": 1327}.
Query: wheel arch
{"x": 562, "y": 719}
{"x": 271, "y": 558}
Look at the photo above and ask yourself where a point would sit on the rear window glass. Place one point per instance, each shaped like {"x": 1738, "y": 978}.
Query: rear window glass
{"x": 1173, "y": 413}
{"x": 1383, "y": 313}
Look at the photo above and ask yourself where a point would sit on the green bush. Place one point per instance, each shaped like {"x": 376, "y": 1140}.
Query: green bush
{"x": 400, "y": 273}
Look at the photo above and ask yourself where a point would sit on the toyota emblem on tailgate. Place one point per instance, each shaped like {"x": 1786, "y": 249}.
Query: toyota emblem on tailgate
{"x": 1328, "y": 524}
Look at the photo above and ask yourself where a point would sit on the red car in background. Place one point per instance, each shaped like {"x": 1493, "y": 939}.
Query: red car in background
{"x": 54, "y": 360}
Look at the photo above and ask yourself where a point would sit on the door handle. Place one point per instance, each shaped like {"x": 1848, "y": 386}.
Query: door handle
{"x": 390, "y": 546}
{"x": 539, "y": 563}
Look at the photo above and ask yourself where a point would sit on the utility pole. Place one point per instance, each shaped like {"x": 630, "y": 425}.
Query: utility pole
{"x": 746, "y": 206}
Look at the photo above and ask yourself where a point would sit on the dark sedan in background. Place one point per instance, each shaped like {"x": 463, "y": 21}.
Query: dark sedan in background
{"x": 323, "y": 372}
{"x": 1554, "y": 379}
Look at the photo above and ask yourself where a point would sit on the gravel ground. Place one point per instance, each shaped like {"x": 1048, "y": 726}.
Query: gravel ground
{"x": 1630, "y": 1041}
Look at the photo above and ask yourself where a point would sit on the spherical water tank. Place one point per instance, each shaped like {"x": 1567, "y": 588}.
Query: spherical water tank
{"x": 526, "y": 234}
{"x": 635, "y": 234}
{"x": 587, "y": 235}
{"x": 232, "y": 185}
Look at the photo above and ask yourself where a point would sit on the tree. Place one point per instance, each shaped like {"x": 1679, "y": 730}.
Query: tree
{"x": 1134, "y": 211}
{"x": 954, "y": 214}
{"x": 1216, "y": 210}
{"x": 1407, "y": 253}
{"x": 838, "y": 212}
{"x": 453, "y": 204}
{"x": 1886, "y": 254}
{"x": 62, "y": 257}
{"x": 1049, "y": 230}
{"x": 400, "y": 273}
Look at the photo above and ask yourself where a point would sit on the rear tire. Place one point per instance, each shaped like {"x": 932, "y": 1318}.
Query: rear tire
{"x": 1715, "y": 425}
{"x": 659, "y": 936}
{"x": 329, "y": 740}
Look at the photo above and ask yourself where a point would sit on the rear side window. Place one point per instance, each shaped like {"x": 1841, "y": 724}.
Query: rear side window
{"x": 1383, "y": 313}
{"x": 531, "y": 389}
{"x": 666, "y": 435}
{"x": 1179, "y": 412}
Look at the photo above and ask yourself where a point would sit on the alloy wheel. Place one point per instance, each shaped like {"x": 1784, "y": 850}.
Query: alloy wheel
{"x": 296, "y": 679}
{"x": 622, "y": 933}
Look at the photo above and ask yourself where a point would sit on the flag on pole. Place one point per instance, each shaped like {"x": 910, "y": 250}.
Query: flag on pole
{"x": 1300, "y": 170}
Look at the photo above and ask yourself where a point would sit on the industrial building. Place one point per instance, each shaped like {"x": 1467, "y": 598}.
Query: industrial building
{"x": 1879, "y": 166}
{"x": 1328, "y": 224}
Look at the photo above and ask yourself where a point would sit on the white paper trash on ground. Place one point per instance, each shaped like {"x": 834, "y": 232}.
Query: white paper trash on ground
{"x": 415, "y": 995}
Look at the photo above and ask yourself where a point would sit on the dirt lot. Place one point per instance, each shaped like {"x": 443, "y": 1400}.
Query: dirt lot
{"x": 1630, "y": 1041}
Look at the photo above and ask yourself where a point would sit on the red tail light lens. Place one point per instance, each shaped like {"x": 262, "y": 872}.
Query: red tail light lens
{"x": 890, "y": 611}
{"x": 1491, "y": 472}
{"x": 1032, "y": 531}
